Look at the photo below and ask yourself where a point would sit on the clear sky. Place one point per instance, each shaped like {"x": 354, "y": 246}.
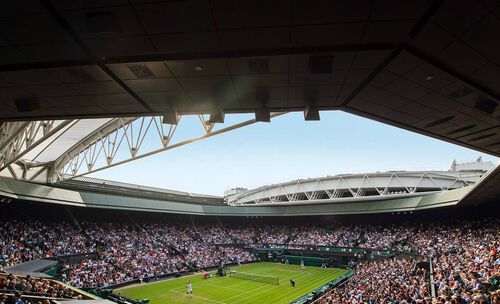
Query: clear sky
{"x": 288, "y": 148}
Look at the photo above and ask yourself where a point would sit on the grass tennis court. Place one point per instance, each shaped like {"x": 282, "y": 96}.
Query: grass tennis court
{"x": 229, "y": 290}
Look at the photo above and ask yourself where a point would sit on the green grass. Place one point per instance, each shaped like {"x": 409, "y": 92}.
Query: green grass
{"x": 228, "y": 290}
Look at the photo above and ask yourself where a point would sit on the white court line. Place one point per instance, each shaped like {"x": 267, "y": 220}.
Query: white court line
{"x": 304, "y": 274}
{"x": 265, "y": 288}
{"x": 225, "y": 287}
{"x": 195, "y": 284}
{"x": 208, "y": 284}
{"x": 209, "y": 281}
{"x": 155, "y": 282}
{"x": 192, "y": 295}
{"x": 257, "y": 286}
{"x": 277, "y": 269}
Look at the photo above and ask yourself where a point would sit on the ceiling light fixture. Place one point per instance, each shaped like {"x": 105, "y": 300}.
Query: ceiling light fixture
{"x": 198, "y": 68}
{"x": 311, "y": 112}
{"x": 171, "y": 117}
{"x": 216, "y": 116}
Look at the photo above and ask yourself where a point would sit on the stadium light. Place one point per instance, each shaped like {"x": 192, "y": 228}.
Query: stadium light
{"x": 262, "y": 114}
{"x": 311, "y": 112}
{"x": 171, "y": 118}
{"x": 216, "y": 116}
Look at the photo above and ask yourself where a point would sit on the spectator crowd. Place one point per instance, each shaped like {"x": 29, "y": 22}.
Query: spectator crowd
{"x": 464, "y": 254}
{"x": 39, "y": 286}
{"x": 465, "y": 259}
{"x": 386, "y": 281}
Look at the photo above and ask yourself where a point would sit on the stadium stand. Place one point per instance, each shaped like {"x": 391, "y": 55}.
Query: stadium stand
{"x": 35, "y": 290}
{"x": 463, "y": 251}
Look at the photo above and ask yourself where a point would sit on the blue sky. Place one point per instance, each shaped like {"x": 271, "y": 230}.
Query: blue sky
{"x": 288, "y": 148}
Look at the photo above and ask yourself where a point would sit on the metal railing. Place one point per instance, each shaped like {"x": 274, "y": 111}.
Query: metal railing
{"x": 431, "y": 278}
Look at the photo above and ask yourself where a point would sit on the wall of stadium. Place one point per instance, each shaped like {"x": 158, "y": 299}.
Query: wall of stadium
{"x": 44, "y": 193}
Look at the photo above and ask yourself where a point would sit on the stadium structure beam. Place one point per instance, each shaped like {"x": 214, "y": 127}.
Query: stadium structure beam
{"x": 17, "y": 139}
{"x": 23, "y": 171}
{"x": 195, "y": 54}
{"x": 419, "y": 25}
{"x": 63, "y": 23}
{"x": 351, "y": 187}
{"x": 9, "y": 130}
{"x": 122, "y": 141}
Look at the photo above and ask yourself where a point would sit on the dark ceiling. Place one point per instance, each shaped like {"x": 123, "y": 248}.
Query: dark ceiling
{"x": 432, "y": 67}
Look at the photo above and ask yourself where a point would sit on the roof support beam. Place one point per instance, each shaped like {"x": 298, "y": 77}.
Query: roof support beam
{"x": 92, "y": 58}
{"x": 276, "y": 51}
{"x": 358, "y": 187}
{"x": 9, "y": 131}
{"x": 26, "y": 139}
{"x": 419, "y": 25}
{"x": 121, "y": 142}
{"x": 433, "y": 60}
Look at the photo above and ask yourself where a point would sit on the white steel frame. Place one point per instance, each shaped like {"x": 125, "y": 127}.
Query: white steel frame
{"x": 19, "y": 138}
{"x": 99, "y": 151}
{"x": 119, "y": 141}
{"x": 357, "y": 185}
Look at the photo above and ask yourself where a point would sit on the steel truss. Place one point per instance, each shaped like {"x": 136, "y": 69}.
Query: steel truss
{"x": 123, "y": 140}
{"x": 19, "y": 138}
{"x": 352, "y": 186}
{"x": 120, "y": 141}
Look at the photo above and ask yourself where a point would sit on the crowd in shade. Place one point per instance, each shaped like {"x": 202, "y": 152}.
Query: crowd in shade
{"x": 464, "y": 254}
{"x": 22, "y": 241}
{"x": 39, "y": 286}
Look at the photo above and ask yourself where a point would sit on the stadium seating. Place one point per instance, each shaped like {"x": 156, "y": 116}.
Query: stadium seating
{"x": 464, "y": 253}
{"x": 35, "y": 290}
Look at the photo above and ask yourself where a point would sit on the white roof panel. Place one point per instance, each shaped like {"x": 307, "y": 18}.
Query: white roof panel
{"x": 63, "y": 140}
{"x": 31, "y": 155}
